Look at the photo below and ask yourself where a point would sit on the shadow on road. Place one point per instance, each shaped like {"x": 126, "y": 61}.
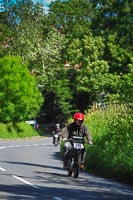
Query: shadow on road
{"x": 52, "y": 181}
{"x": 23, "y": 192}
{"x": 32, "y": 164}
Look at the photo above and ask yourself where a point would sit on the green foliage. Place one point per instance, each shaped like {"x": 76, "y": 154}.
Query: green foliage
{"x": 92, "y": 76}
{"x": 4, "y": 34}
{"x": 25, "y": 130}
{"x": 63, "y": 97}
{"x": 95, "y": 38}
{"x": 57, "y": 103}
{"x": 71, "y": 17}
{"x": 113, "y": 142}
{"x": 62, "y": 149}
{"x": 18, "y": 130}
{"x": 19, "y": 95}
{"x": 50, "y": 73}
{"x": 104, "y": 50}
{"x": 112, "y": 17}
{"x": 26, "y": 29}
{"x": 47, "y": 59}
{"x": 3, "y": 130}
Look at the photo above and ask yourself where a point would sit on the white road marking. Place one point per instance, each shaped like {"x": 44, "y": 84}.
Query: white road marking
{"x": 21, "y": 179}
{"x": 35, "y": 144}
{"x": 26, "y": 145}
{"x": 3, "y": 147}
{"x": 11, "y": 146}
{"x": 24, "y": 181}
{"x": 18, "y": 145}
{"x": 16, "y": 177}
{"x": 2, "y": 169}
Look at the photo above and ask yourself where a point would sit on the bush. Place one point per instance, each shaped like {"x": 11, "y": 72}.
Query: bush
{"x": 3, "y": 131}
{"x": 112, "y": 137}
{"x": 18, "y": 130}
{"x": 25, "y": 130}
{"x": 20, "y": 97}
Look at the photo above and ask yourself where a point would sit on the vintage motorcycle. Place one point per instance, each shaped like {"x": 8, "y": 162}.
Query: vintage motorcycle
{"x": 75, "y": 156}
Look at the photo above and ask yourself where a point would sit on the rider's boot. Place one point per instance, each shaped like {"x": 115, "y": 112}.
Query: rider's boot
{"x": 82, "y": 166}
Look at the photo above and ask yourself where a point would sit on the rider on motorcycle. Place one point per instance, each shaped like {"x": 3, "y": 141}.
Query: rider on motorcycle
{"x": 57, "y": 131}
{"x": 76, "y": 128}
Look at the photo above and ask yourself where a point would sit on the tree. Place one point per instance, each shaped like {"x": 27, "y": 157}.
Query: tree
{"x": 4, "y": 33}
{"x": 72, "y": 17}
{"x": 111, "y": 17}
{"x": 51, "y": 75}
{"x": 20, "y": 98}
{"x": 43, "y": 51}
{"x": 88, "y": 70}
{"x": 92, "y": 36}
{"x": 26, "y": 22}
{"x": 120, "y": 61}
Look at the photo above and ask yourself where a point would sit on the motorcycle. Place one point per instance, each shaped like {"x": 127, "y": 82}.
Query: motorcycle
{"x": 75, "y": 156}
{"x": 56, "y": 139}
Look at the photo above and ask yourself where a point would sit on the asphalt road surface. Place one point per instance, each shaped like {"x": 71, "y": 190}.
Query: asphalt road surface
{"x": 32, "y": 169}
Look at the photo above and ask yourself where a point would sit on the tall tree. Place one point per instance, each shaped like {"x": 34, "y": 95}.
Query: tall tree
{"x": 71, "y": 17}
{"x": 4, "y": 31}
{"x": 26, "y": 26}
{"x": 114, "y": 16}
{"x": 51, "y": 75}
{"x": 88, "y": 35}
{"x": 113, "y": 20}
{"x": 90, "y": 71}
{"x": 43, "y": 50}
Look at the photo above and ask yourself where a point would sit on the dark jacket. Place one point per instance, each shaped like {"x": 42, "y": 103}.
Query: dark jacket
{"x": 74, "y": 130}
{"x": 57, "y": 130}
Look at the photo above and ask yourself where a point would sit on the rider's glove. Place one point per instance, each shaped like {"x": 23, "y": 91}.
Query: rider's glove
{"x": 64, "y": 139}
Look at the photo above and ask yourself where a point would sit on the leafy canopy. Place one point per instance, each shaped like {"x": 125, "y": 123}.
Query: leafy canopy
{"x": 19, "y": 95}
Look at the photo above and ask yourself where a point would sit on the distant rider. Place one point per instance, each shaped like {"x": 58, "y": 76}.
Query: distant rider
{"x": 57, "y": 131}
{"x": 76, "y": 128}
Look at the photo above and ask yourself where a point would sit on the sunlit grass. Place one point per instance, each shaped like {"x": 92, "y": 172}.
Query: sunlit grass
{"x": 18, "y": 130}
{"x": 112, "y": 131}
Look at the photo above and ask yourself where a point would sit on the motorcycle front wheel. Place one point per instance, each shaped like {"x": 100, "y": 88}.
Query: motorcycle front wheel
{"x": 56, "y": 142}
{"x": 70, "y": 168}
{"x": 76, "y": 170}
{"x": 69, "y": 172}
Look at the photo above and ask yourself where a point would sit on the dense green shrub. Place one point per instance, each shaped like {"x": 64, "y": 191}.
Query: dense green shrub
{"x": 3, "y": 131}
{"x": 25, "y": 130}
{"x": 112, "y": 153}
{"x": 18, "y": 130}
{"x": 20, "y": 97}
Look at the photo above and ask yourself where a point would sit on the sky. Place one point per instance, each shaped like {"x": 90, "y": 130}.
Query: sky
{"x": 45, "y": 3}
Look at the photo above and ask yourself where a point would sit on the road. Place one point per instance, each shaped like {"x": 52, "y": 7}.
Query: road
{"x": 32, "y": 169}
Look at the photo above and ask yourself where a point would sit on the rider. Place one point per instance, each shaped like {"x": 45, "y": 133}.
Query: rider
{"x": 76, "y": 128}
{"x": 57, "y": 130}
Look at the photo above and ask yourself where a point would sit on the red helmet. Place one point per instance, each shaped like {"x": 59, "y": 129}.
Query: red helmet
{"x": 79, "y": 116}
